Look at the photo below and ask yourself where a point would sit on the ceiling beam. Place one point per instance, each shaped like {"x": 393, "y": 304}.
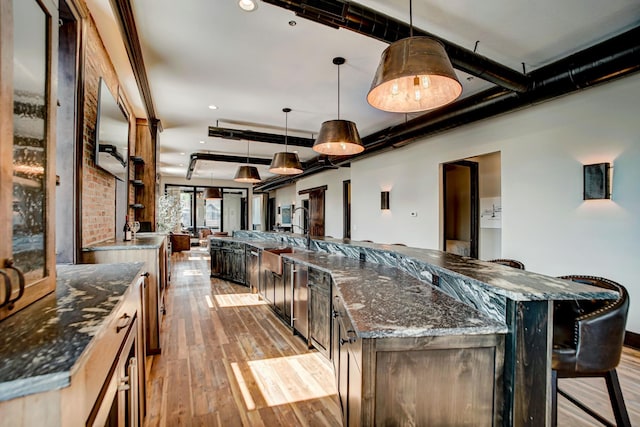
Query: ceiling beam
{"x": 126, "y": 21}
{"x": 248, "y": 135}
{"x": 611, "y": 59}
{"x": 195, "y": 157}
{"x": 371, "y": 23}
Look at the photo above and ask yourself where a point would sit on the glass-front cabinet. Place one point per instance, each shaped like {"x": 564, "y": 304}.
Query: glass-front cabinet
{"x": 28, "y": 63}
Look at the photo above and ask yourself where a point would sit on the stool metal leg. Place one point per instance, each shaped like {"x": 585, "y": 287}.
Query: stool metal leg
{"x": 617, "y": 401}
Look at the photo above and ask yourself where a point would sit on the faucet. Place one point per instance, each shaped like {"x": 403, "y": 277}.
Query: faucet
{"x": 307, "y": 232}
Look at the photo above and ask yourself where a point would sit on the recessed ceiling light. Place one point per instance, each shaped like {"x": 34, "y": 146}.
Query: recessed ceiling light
{"x": 248, "y": 5}
{"x": 182, "y": 154}
{"x": 181, "y": 165}
{"x": 293, "y": 23}
{"x": 213, "y": 107}
{"x": 201, "y": 142}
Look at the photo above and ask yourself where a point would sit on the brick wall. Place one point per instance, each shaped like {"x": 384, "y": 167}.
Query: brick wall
{"x": 98, "y": 186}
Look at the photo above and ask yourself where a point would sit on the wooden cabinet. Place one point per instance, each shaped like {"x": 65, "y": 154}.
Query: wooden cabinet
{"x": 105, "y": 383}
{"x": 252, "y": 257}
{"x": 458, "y": 381}
{"x": 151, "y": 249}
{"x": 27, "y": 151}
{"x": 228, "y": 261}
{"x": 319, "y": 285}
{"x": 346, "y": 359}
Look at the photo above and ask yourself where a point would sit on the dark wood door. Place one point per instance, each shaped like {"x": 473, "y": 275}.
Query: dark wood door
{"x": 316, "y": 212}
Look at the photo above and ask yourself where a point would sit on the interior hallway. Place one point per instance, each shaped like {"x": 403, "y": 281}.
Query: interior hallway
{"x": 227, "y": 360}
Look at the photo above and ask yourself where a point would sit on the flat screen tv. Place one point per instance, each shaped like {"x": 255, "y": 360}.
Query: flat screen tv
{"x": 112, "y": 135}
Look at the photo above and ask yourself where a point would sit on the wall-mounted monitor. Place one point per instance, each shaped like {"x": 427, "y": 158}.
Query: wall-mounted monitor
{"x": 112, "y": 134}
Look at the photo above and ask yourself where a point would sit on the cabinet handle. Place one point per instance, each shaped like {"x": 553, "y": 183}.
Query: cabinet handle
{"x": 7, "y": 288}
{"x": 254, "y": 253}
{"x": 351, "y": 338}
{"x": 145, "y": 274}
{"x": 124, "y": 322}
{"x": 334, "y": 313}
{"x": 9, "y": 264}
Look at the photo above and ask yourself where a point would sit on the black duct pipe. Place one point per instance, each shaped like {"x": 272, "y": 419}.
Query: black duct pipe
{"x": 368, "y": 22}
{"x": 604, "y": 62}
{"x": 611, "y": 59}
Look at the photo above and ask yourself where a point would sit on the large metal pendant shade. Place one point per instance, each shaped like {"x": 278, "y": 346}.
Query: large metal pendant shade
{"x": 285, "y": 163}
{"x": 213, "y": 193}
{"x": 414, "y": 74}
{"x": 338, "y": 138}
{"x": 248, "y": 174}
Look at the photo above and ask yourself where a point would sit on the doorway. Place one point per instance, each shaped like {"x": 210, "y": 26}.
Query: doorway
{"x": 346, "y": 209}
{"x": 316, "y": 209}
{"x": 460, "y": 208}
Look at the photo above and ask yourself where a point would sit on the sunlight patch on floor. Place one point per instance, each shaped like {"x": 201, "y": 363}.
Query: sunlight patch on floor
{"x": 291, "y": 379}
{"x": 198, "y": 257}
{"x": 192, "y": 273}
{"x": 248, "y": 400}
{"x": 238, "y": 300}
{"x": 209, "y": 302}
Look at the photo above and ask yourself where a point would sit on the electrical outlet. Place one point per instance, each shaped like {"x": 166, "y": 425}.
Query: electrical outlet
{"x": 414, "y": 213}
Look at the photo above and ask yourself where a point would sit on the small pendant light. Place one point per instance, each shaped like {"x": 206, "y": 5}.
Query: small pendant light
{"x": 414, "y": 74}
{"x": 247, "y": 173}
{"x": 213, "y": 193}
{"x": 285, "y": 163}
{"x": 338, "y": 137}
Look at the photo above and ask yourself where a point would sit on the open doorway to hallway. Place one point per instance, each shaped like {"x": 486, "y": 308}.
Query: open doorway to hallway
{"x": 472, "y": 206}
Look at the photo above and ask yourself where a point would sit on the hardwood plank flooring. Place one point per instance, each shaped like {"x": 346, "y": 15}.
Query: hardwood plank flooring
{"x": 227, "y": 360}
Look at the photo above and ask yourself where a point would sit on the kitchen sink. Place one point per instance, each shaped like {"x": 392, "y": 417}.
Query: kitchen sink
{"x": 271, "y": 259}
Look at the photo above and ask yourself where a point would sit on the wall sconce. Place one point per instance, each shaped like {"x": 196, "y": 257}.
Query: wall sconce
{"x": 278, "y": 210}
{"x": 384, "y": 200}
{"x": 597, "y": 181}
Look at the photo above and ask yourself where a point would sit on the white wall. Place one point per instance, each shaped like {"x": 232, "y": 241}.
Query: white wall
{"x": 546, "y": 224}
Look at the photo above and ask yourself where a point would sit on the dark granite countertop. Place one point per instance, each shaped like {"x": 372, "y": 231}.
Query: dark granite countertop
{"x": 142, "y": 241}
{"x": 518, "y": 285}
{"x": 383, "y": 301}
{"x": 42, "y": 343}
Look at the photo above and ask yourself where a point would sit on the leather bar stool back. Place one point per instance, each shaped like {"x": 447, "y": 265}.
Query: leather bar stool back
{"x": 508, "y": 262}
{"x": 588, "y": 336}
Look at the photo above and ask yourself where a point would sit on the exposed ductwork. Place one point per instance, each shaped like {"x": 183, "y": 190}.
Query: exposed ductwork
{"x": 250, "y": 135}
{"x": 606, "y": 61}
{"x": 368, "y": 22}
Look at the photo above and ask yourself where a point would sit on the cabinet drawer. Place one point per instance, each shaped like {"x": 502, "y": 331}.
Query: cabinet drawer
{"x": 107, "y": 343}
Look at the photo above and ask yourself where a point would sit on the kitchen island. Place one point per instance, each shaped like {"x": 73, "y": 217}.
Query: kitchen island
{"x": 467, "y": 306}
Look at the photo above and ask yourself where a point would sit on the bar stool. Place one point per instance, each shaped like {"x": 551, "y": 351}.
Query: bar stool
{"x": 587, "y": 342}
{"x": 508, "y": 262}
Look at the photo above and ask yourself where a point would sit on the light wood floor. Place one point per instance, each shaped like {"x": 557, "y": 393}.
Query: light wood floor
{"x": 228, "y": 361}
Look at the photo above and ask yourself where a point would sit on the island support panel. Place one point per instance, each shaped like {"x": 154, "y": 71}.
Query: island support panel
{"x": 527, "y": 373}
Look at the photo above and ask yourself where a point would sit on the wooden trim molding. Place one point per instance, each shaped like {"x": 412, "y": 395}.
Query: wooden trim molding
{"x": 310, "y": 190}
{"x": 632, "y": 339}
{"x": 125, "y": 17}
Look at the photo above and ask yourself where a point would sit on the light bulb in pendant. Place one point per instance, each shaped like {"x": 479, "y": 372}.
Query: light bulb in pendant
{"x": 394, "y": 88}
{"x": 426, "y": 82}
{"x": 416, "y": 88}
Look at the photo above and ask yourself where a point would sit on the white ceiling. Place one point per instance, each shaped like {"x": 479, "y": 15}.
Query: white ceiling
{"x": 253, "y": 64}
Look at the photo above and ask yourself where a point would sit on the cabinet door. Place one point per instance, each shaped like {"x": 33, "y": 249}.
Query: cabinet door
{"x": 320, "y": 318}
{"x": 216, "y": 262}
{"x": 28, "y": 64}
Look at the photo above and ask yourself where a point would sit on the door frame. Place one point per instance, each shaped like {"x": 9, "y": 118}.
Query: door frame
{"x": 474, "y": 220}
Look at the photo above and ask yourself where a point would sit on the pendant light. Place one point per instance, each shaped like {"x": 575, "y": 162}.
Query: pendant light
{"x": 338, "y": 137}
{"x": 414, "y": 74}
{"x": 247, "y": 173}
{"x": 285, "y": 163}
{"x": 213, "y": 193}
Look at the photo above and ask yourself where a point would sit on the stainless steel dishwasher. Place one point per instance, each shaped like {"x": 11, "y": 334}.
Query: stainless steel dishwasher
{"x": 300, "y": 315}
